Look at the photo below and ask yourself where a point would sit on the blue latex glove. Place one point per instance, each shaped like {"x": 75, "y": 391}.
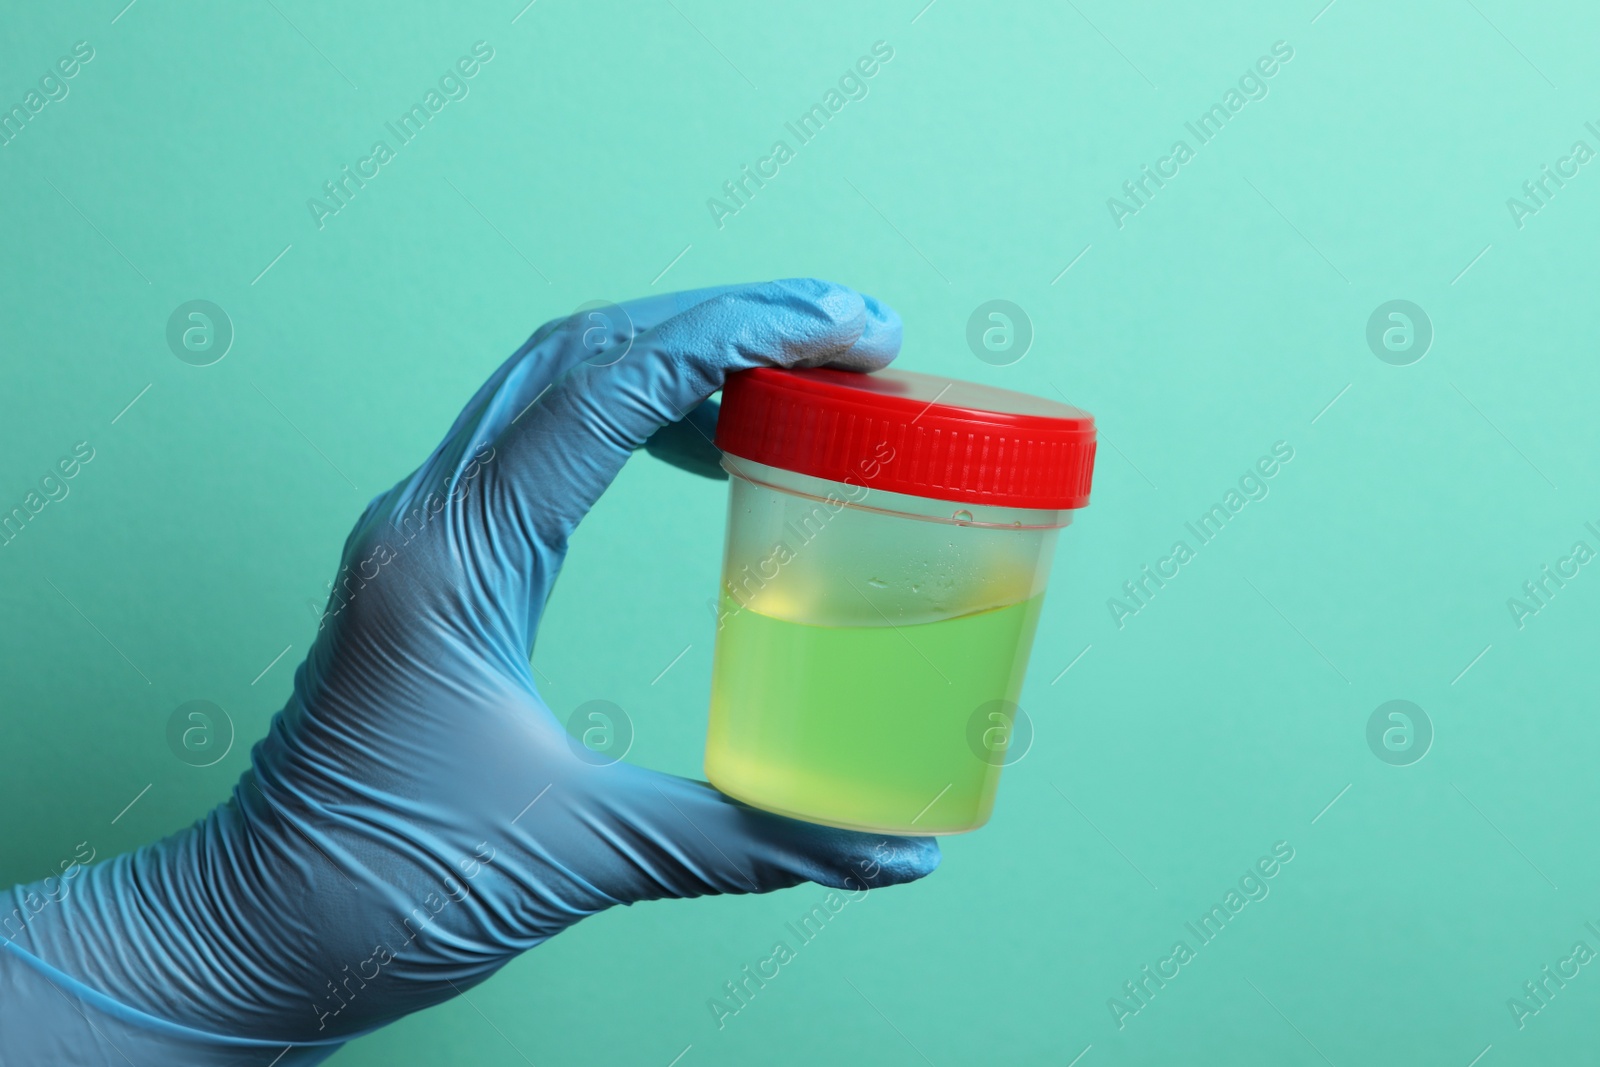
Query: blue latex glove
{"x": 416, "y": 817}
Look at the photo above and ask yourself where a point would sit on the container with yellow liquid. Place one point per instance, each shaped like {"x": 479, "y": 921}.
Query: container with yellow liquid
{"x": 889, "y": 540}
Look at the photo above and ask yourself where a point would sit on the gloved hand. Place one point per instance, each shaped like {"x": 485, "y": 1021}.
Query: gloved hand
{"x": 415, "y": 816}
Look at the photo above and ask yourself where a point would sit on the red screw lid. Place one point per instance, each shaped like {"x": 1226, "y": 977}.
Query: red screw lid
{"x": 950, "y": 440}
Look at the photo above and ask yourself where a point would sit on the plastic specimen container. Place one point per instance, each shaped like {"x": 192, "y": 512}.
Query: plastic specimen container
{"x": 889, "y": 539}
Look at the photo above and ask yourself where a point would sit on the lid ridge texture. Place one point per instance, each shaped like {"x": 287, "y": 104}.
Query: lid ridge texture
{"x": 912, "y": 433}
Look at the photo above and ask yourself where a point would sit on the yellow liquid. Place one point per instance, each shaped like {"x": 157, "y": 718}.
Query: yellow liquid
{"x": 865, "y": 727}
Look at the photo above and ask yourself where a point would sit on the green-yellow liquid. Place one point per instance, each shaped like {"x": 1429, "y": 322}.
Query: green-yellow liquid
{"x": 866, "y": 727}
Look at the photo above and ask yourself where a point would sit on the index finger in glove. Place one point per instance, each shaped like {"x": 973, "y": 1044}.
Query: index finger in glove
{"x": 553, "y": 464}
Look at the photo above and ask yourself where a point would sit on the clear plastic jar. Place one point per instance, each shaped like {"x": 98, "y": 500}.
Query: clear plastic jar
{"x": 872, "y": 642}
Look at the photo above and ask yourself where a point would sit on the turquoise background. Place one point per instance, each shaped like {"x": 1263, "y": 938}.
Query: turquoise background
{"x": 1224, "y": 316}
